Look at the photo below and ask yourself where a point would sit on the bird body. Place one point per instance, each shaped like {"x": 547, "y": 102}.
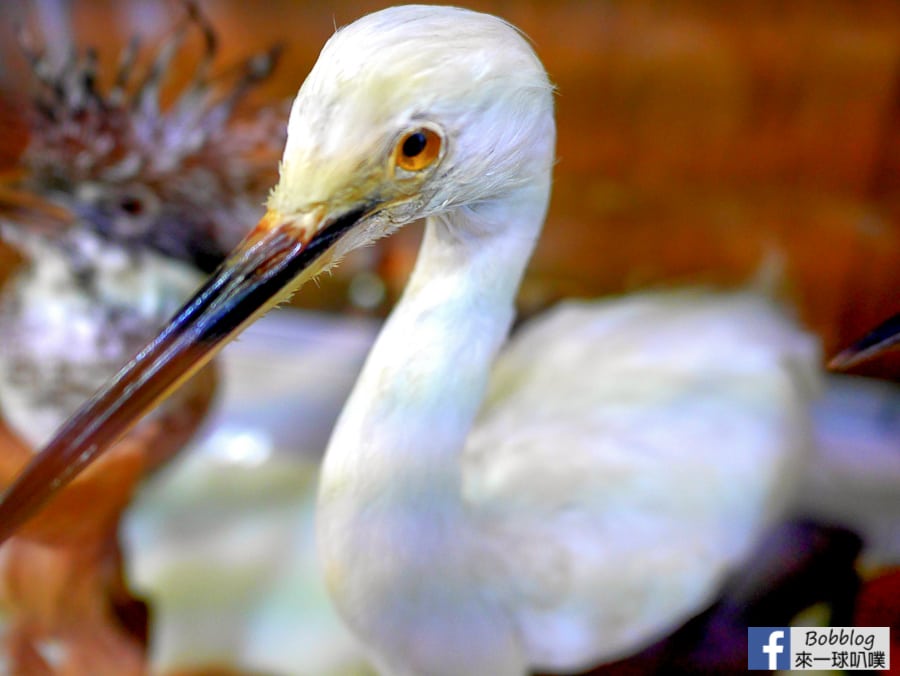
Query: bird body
{"x": 583, "y": 500}
{"x": 649, "y": 471}
{"x": 568, "y": 519}
{"x": 71, "y": 317}
{"x": 458, "y": 550}
{"x": 487, "y": 550}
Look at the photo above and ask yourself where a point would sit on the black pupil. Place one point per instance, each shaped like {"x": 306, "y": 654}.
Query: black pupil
{"x": 414, "y": 144}
{"x": 132, "y": 206}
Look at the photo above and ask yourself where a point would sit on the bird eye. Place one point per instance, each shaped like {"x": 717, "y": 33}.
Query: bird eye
{"x": 417, "y": 150}
{"x": 132, "y": 206}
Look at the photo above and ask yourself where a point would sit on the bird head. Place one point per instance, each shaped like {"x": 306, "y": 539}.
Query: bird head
{"x": 408, "y": 113}
{"x": 106, "y": 156}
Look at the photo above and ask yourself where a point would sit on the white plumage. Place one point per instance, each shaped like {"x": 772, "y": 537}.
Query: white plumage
{"x": 626, "y": 458}
{"x": 627, "y": 454}
{"x": 646, "y": 473}
{"x": 571, "y": 508}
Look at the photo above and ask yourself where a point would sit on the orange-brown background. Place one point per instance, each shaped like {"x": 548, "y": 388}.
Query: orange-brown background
{"x": 696, "y": 140}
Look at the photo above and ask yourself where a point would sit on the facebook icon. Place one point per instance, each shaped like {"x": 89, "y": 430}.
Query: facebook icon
{"x": 768, "y": 648}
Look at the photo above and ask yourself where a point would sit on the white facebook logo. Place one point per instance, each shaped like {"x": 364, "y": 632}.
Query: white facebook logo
{"x": 768, "y": 648}
{"x": 774, "y": 648}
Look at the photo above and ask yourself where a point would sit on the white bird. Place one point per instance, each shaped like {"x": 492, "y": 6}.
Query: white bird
{"x": 572, "y": 506}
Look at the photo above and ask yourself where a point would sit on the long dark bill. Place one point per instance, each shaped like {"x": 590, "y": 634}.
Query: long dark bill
{"x": 266, "y": 265}
{"x": 880, "y": 339}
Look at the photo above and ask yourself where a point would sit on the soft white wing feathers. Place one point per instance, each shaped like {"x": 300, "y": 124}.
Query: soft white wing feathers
{"x": 648, "y": 438}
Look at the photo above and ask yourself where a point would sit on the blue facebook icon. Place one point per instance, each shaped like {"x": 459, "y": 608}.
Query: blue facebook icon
{"x": 768, "y": 648}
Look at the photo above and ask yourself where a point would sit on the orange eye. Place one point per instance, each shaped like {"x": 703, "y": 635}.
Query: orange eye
{"x": 417, "y": 150}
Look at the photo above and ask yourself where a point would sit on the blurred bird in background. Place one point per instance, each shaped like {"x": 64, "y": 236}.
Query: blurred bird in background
{"x": 123, "y": 198}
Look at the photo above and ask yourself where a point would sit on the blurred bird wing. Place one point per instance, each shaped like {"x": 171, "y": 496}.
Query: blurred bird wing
{"x": 634, "y": 440}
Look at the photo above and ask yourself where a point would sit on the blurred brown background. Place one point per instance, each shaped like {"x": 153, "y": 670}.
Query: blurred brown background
{"x": 699, "y": 141}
